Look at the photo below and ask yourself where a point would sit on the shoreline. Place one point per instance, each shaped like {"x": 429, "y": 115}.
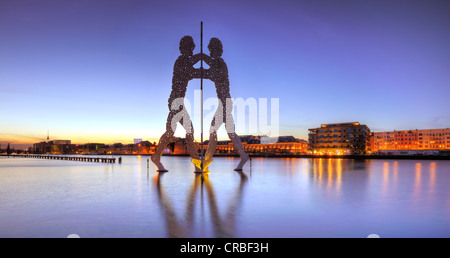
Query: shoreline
{"x": 356, "y": 157}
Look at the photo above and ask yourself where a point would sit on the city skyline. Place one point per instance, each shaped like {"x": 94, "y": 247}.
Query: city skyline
{"x": 95, "y": 72}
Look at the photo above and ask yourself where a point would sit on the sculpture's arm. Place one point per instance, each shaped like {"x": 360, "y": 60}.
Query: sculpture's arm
{"x": 195, "y": 58}
{"x": 198, "y": 57}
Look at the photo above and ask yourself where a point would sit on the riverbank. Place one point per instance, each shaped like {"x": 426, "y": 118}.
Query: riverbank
{"x": 359, "y": 157}
{"x": 271, "y": 155}
{"x": 406, "y": 157}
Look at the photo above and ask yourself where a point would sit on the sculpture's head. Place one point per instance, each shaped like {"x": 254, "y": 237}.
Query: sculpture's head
{"x": 187, "y": 45}
{"x": 215, "y": 48}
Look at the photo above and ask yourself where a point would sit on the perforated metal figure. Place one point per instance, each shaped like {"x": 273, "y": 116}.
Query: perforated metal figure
{"x": 183, "y": 72}
{"x": 218, "y": 73}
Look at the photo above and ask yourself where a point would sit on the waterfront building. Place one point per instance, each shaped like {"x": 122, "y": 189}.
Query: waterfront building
{"x": 62, "y": 142}
{"x": 406, "y": 140}
{"x": 94, "y": 148}
{"x": 396, "y": 140}
{"x": 62, "y": 147}
{"x": 55, "y": 147}
{"x": 434, "y": 139}
{"x": 66, "y": 147}
{"x": 430, "y": 139}
{"x": 340, "y": 139}
{"x": 116, "y": 148}
{"x": 383, "y": 141}
{"x": 41, "y": 148}
{"x": 146, "y": 147}
{"x": 282, "y": 145}
{"x": 119, "y": 148}
{"x": 180, "y": 147}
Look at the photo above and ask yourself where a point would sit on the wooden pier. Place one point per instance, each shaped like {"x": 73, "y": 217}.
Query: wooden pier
{"x": 71, "y": 158}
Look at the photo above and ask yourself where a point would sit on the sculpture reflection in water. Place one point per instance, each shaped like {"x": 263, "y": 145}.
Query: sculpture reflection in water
{"x": 179, "y": 227}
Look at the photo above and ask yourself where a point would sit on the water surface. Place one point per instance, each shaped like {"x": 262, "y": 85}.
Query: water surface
{"x": 284, "y": 197}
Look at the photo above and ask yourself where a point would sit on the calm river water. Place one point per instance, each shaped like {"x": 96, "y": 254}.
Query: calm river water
{"x": 272, "y": 198}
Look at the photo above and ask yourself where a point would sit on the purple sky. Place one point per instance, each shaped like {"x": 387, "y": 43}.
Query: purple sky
{"x": 101, "y": 70}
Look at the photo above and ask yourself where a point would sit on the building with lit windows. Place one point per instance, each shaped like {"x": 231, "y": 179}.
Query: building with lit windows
{"x": 431, "y": 139}
{"x": 54, "y": 147}
{"x": 258, "y": 145}
{"x": 340, "y": 139}
{"x": 434, "y": 139}
{"x": 406, "y": 140}
{"x": 383, "y": 141}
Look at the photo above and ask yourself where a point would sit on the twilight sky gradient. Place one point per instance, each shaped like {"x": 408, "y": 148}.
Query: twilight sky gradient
{"x": 101, "y": 70}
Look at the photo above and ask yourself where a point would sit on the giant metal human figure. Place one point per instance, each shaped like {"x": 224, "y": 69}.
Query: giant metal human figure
{"x": 183, "y": 72}
{"x": 218, "y": 73}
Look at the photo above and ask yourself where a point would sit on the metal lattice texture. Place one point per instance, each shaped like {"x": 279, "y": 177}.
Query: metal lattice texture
{"x": 183, "y": 72}
{"x": 218, "y": 73}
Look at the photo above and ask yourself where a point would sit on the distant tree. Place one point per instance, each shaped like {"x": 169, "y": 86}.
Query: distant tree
{"x": 8, "y": 150}
{"x": 172, "y": 146}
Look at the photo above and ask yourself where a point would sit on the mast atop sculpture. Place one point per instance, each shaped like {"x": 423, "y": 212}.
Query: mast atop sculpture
{"x": 201, "y": 94}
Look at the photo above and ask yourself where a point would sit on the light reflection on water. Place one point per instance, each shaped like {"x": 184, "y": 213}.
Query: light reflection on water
{"x": 272, "y": 198}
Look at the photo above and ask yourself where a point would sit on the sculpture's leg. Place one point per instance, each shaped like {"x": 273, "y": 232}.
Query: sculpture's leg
{"x": 198, "y": 165}
{"x": 238, "y": 146}
{"x": 156, "y": 157}
{"x": 212, "y": 146}
{"x": 215, "y": 125}
{"x": 191, "y": 148}
{"x": 208, "y": 156}
{"x": 189, "y": 128}
{"x": 163, "y": 142}
{"x": 229, "y": 126}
